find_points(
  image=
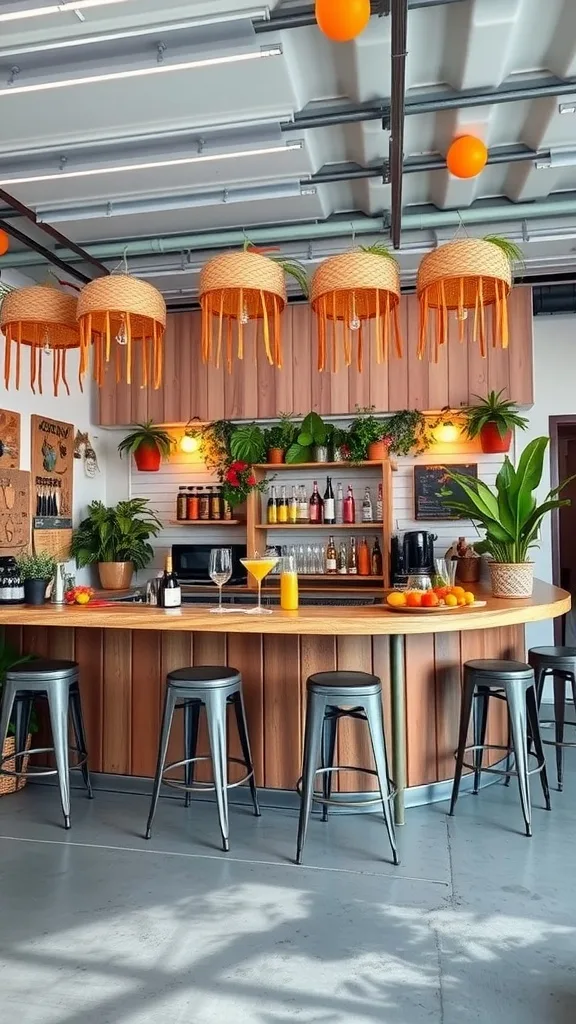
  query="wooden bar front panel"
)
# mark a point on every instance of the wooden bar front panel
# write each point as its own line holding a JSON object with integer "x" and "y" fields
{"x": 122, "y": 677}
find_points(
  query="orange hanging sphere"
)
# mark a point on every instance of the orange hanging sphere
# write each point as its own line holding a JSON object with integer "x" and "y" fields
{"x": 4, "y": 243}
{"x": 466, "y": 157}
{"x": 342, "y": 20}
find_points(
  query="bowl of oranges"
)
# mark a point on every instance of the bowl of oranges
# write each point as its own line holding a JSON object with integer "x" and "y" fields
{"x": 436, "y": 599}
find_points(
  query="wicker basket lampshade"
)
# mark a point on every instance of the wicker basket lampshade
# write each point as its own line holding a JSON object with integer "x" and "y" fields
{"x": 349, "y": 290}
{"x": 130, "y": 313}
{"x": 44, "y": 319}
{"x": 235, "y": 288}
{"x": 470, "y": 274}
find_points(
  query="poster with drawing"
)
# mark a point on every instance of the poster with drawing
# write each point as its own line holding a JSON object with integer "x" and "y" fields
{"x": 52, "y": 450}
{"x": 9, "y": 439}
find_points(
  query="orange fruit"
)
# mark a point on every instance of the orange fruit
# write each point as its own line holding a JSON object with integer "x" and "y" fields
{"x": 414, "y": 598}
{"x": 430, "y": 599}
{"x": 451, "y": 600}
{"x": 396, "y": 599}
{"x": 458, "y": 591}
{"x": 461, "y": 601}
{"x": 469, "y": 597}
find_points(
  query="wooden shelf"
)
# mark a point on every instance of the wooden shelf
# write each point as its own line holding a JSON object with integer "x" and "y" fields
{"x": 319, "y": 526}
{"x": 332, "y": 577}
{"x": 319, "y": 465}
{"x": 206, "y": 522}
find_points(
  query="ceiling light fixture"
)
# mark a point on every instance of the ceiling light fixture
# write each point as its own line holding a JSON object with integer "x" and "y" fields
{"x": 567, "y": 108}
{"x": 72, "y": 6}
{"x": 199, "y": 158}
{"x": 156, "y": 69}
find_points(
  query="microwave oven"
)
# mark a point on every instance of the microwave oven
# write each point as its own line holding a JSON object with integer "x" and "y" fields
{"x": 191, "y": 563}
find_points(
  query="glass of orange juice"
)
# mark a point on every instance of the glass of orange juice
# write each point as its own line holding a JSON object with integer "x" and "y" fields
{"x": 259, "y": 566}
{"x": 288, "y": 584}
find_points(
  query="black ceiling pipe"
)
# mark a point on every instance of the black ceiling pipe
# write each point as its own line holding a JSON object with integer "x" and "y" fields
{"x": 399, "y": 15}
{"x": 43, "y": 251}
{"x": 302, "y": 17}
{"x": 24, "y": 211}
{"x": 331, "y": 173}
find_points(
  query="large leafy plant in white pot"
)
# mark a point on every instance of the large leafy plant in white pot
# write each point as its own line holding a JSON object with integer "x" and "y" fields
{"x": 510, "y": 517}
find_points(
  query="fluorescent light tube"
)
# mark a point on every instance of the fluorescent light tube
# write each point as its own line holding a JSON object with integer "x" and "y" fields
{"x": 40, "y": 12}
{"x": 199, "y": 158}
{"x": 156, "y": 69}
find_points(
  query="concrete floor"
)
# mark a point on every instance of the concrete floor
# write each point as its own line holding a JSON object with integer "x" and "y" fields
{"x": 99, "y": 927}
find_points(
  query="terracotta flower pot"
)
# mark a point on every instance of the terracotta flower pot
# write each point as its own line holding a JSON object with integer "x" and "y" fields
{"x": 492, "y": 442}
{"x": 115, "y": 575}
{"x": 377, "y": 451}
{"x": 275, "y": 456}
{"x": 147, "y": 458}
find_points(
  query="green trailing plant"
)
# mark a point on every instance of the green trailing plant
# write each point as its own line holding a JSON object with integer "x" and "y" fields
{"x": 149, "y": 435}
{"x": 116, "y": 534}
{"x": 313, "y": 432}
{"x": 282, "y": 434}
{"x": 293, "y": 268}
{"x": 508, "y": 513}
{"x": 247, "y": 444}
{"x": 513, "y": 252}
{"x": 493, "y": 409}
{"x": 379, "y": 249}
{"x": 37, "y": 567}
{"x": 365, "y": 429}
{"x": 408, "y": 433}
{"x": 215, "y": 444}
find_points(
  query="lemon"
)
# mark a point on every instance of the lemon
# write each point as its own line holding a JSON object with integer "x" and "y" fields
{"x": 82, "y": 598}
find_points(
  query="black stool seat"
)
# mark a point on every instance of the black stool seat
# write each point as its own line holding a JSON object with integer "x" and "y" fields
{"x": 358, "y": 682}
{"x": 203, "y": 676}
{"x": 502, "y": 669}
{"x": 46, "y": 668}
{"x": 559, "y": 662}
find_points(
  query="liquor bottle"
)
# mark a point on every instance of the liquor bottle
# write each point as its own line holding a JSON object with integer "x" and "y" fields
{"x": 215, "y": 509}
{"x": 302, "y": 505}
{"x": 283, "y": 506}
{"x": 293, "y": 507}
{"x": 363, "y": 558}
{"x": 353, "y": 559}
{"x": 329, "y": 503}
{"x": 380, "y": 505}
{"x": 170, "y": 592}
{"x": 376, "y": 558}
{"x": 349, "y": 507}
{"x": 181, "y": 502}
{"x": 316, "y": 505}
{"x": 331, "y": 558}
{"x": 367, "y": 512}
{"x": 342, "y": 559}
{"x": 339, "y": 504}
{"x": 272, "y": 509}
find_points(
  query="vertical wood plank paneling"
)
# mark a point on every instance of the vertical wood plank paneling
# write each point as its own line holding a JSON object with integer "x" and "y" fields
{"x": 172, "y": 381}
{"x": 354, "y": 747}
{"x": 379, "y": 373}
{"x": 398, "y": 368}
{"x": 304, "y": 360}
{"x": 498, "y": 369}
{"x": 89, "y": 655}
{"x": 117, "y": 698}
{"x": 208, "y": 649}
{"x": 417, "y": 368}
{"x": 187, "y": 354}
{"x": 197, "y": 403}
{"x": 285, "y": 376}
{"x": 35, "y": 640}
{"x": 448, "y": 699}
{"x": 241, "y": 386}
{"x": 246, "y": 654}
{"x": 438, "y": 388}
{"x": 521, "y": 349}
{"x": 420, "y": 709}
{"x": 381, "y": 668}
{"x": 61, "y": 643}
{"x": 175, "y": 652}
{"x": 321, "y": 382}
{"x": 107, "y": 400}
{"x": 216, "y": 409}
{"x": 266, "y": 376}
{"x": 477, "y": 366}
{"x": 317, "y": 654}
{"x": 282, "y": 711}
{"x": 458, "y": 391}
{"x": 146, "y": 697}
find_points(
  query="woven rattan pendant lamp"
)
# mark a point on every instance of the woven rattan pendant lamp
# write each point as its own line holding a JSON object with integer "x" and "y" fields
{"x": 471, "y": 274}
{"x": 125, "y": 319}
{"x": 235, "y": 288}
{"x": 349, "y": 290}
{"x": 44, "y": 319}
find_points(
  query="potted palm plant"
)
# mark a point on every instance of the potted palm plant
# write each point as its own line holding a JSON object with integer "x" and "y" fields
{"x": 36, "y": 571}
{"x": 510, "y": 517}
{"x": 117, "y": 540}
{"x": 493, "y": 420}
{"x": 147, "y": 443}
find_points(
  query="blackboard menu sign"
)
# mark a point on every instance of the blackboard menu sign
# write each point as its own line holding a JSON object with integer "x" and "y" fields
{"x": 430, "y": 482}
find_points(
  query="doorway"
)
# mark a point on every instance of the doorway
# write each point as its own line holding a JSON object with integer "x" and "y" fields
{"x": 563, "y": 465}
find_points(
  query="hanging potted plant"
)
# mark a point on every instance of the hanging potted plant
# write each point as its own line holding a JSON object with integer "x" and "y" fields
{"x": 510, "y": 517}
{"x": 36, "y": 571}
{"x": 147, "y": 443}
{"x": 116, "y": 540}
{"x": 278, "y": 439}
{"x": 493, "y": 420}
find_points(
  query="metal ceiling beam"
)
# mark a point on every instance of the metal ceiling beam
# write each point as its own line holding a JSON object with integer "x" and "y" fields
{"x": 302, "y": 17}
{"x": 47, "y": 254}
{"x": 24, "y": 211}
{"x": 399, "y": 15}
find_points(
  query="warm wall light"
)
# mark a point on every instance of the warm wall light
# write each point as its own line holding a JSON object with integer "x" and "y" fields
{"x": 189, "y": 444}
{"x": 447, "y": 433}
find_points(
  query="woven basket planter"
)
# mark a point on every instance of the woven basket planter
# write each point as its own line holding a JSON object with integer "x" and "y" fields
{"x": 41, "y": 318}
{"x": 470, "y": 274}
{"x": 236, "y": 288}
{"x": 9, "y": 783}
{"x": 122, "y": 315}
{"x": 512, "y": 580}
{"x": 349, "y": 290}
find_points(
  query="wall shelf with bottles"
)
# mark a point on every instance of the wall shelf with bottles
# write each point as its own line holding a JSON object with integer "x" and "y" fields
{"x": 326, "y": 527}
{"x": 206, "y": 522}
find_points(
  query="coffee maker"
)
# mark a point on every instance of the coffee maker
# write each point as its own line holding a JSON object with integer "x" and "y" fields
{"x": 414, "y": 553}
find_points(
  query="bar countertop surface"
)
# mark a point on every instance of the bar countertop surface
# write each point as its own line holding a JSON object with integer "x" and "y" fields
{"x": 546, "y": 602}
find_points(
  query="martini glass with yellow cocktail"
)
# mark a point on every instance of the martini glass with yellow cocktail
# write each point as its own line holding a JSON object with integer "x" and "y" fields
{"x": 259, "y": 567}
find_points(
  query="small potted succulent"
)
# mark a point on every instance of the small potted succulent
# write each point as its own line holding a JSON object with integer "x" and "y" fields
{"x": 37, "y": 571}
{"x": 117, "y": 540}
{"x": 279, "y": 438}
{"x": 148, "y": 444}
{"x": 493, "y": 420}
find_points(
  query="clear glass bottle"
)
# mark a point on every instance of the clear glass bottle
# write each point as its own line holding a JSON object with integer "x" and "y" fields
{"x": 353, "y": 559}
{"x": 380, "y": 505}
{"x": 339, "y": 505}
{"x": 331, "y": 557}
{"x": 302, "y": 505}
{"x": 283, "y": 506}
{"x": 293, "y": 507}
{"x": 342, "y": 559}
{"x": 367, "y": 510}
{"x": 181, "y": 505}
{"x": 272, "y": 507}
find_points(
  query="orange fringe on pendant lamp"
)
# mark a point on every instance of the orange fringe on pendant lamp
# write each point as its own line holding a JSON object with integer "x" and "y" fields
{"x": 470, "y": 274}
{"x": 351, "y": 289}
{"x": 123, "y": 317}
{"x": 43, "y": 319}
{"x": 235, "y": 288}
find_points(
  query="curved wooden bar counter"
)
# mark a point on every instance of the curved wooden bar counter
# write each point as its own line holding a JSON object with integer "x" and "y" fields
{"x": 125, "y": 651}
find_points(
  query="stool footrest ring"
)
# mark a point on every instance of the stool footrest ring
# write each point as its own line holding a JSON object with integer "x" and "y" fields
{"x": 39, "y": 771}
{"x": 202, "y": 787}
{"x": 317, "y": 798}
{"x": 497, "y": 771}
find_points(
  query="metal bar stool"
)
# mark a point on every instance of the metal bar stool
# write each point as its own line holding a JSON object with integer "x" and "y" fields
{"x": 330, "y": 697}
{"x": 559, "y": 662}
{"x": 513, "y": 682}
{"x": 213, "y": 687}
{"x": 57, "y": 681}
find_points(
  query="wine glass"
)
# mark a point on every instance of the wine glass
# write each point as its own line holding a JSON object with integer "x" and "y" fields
{"x": 259, "y": 566}
{"x": 220, "y": 572}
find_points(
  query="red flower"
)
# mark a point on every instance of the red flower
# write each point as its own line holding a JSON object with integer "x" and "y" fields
{"x": 232, "y": 477}
{"x": 238, "y": 467}
{"x": 251, "y": 481}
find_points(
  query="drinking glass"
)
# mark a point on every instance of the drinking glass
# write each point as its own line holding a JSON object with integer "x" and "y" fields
{"x": 259, "y": 567}
{"x": 419, "y": 581}
{"x": 446, "y": 571}
{"x": 220, "y": 572}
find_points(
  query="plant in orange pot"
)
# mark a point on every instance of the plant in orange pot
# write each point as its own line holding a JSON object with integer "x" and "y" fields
{"x": 493, "y": 421}
{"x": 279, "y": 438}
{"x": 148, "y": 444}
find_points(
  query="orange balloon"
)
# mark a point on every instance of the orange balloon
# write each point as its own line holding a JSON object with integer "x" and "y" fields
{"x": 466, "y": 157}
{"x": 342, "y": 20}
{"x": 4, "y": 243}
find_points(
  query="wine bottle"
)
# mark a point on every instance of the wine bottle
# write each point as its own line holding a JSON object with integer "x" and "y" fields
{"x": 342, "y": 559}
{"x": 329, "y": 503}
{"x": 353, "y": 559}
{"x": 302, "y": 505}
{"x": 272, "y": 509}
{"x": 170, "y": 595}
{"x": 293, "y": 507}
{"x": 283, "y": 506}
{"x": 349, "y": 506}
{"x": 376, "y": 558}
{"x": 380, "y": 505}
{"x": 367, "y": 511}
{"x": 339, "y": 504}
{"x": 331, "y": 558}
{"x": 315, "y": 506}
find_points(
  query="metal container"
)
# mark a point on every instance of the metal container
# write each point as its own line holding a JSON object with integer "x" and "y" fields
{"x": 58, "y": 584}
{"x": 320, "y": 453}
{"x": 153, "y": 590}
